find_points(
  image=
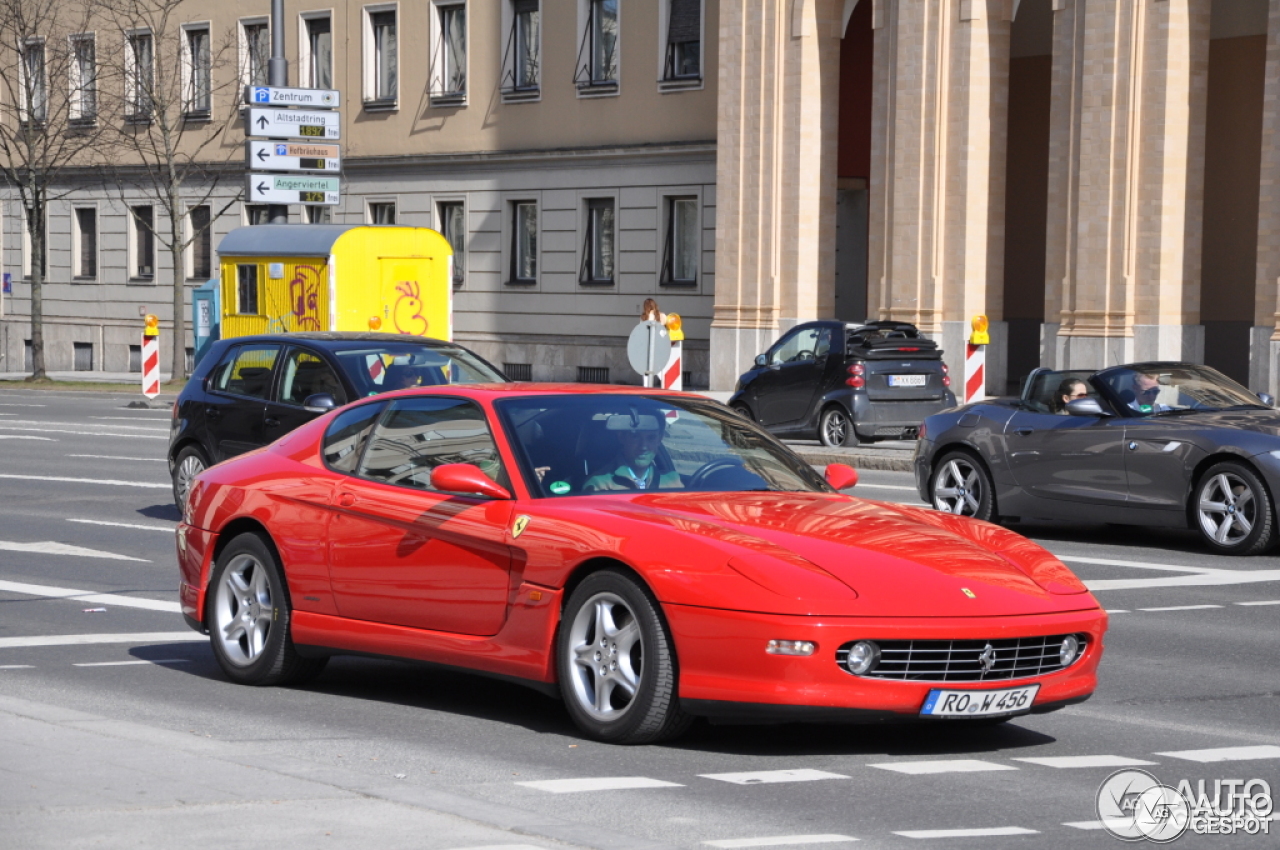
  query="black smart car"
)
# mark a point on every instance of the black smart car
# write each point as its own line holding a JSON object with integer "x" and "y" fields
{"x": 846, "y": 382}
{"x": 249, "y": 391}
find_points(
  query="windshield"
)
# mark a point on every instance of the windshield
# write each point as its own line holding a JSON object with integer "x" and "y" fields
{"x": 384, "y": 367}
{"x": 593, "y": 444}
{"x": 1169, "y": 389}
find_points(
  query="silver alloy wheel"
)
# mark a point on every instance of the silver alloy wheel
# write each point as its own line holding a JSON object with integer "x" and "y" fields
{"x": 835, "y": 428}
{"x": 1227, "y": 509}
{"x": 244, "y": 610}
{"x": 957, "y": 488}
{"x": 191, "y": 466}
{"x": 606, "y": 656}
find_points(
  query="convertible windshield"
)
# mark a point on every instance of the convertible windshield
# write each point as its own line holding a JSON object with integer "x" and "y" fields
{"x": 588, "y": 444}
{"x": 399, "y": 365}
{"x": 1175, "y": 389}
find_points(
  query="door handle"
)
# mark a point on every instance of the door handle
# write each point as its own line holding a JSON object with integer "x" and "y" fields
{"x": 1023, "y": 432}
{"x": 272, "y": 422}
{"x": 212, "y": 412}
{"x": 346, "y": 500}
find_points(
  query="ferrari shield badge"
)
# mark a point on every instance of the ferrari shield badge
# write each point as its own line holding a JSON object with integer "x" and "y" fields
{"x": 521, "y": 523}
{"x": 966, "y": 591}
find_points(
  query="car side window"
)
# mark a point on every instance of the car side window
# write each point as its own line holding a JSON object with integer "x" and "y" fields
{"x": 415, "y": 435}
{"x": 345, "y": 439}
{"x": 306, "y": 374}
{"x": 796, "y": 347}
{"x": 249, "y": 374}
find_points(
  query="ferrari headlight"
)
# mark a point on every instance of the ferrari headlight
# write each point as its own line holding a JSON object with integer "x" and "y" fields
{"x": 1069, "y": 651}
{"x": 862, "y": 656}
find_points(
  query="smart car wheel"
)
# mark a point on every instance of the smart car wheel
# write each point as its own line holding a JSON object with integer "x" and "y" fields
{"x": 189, "y": 463}
{"x": 961, "y": 485}
{"x": 744, "y": 411}
{"x": 836, "y": 428}
{"x": 616, "y": 665}
{"x": 1233, "y": 510}
{"x": 249, "y": 618}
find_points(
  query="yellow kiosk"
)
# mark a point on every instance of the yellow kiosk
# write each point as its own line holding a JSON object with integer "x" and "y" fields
{"x": 278, "y": 278}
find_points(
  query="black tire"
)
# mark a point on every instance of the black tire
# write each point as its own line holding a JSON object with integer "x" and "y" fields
{"x": 1232, "y": 510}
{"x": 960, "y": 484}
{"x": 249, "y": 615}
{"x": 611, "y": 608}
{"x": 835, "y": 428}
{"x": 744, "y": 411}
{"x": 189, "y": 463}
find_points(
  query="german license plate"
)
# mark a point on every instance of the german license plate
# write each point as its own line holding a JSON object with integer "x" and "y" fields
{"x": 908, "y": 380}
{"x": 941, "y": 703}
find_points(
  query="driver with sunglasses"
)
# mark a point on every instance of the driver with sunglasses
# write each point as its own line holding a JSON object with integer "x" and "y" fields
{"x": 1146, "y": 388}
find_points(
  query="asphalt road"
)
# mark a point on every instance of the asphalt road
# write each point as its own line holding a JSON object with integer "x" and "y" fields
{"x": 117, "y": 728}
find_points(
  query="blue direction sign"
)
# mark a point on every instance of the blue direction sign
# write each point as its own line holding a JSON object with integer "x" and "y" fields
{"x": 280, "y": 96}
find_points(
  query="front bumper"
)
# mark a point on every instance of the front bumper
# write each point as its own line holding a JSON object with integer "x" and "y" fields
{"x": 724, "y": 669}
{"x": 195, "y": 558}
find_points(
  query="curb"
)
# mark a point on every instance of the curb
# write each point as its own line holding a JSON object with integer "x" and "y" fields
{"x": 889, "y": 460}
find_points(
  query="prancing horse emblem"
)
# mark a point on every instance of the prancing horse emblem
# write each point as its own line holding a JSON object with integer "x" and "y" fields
{"x": 987, "y": 660}
{"x": 521, "y": 522}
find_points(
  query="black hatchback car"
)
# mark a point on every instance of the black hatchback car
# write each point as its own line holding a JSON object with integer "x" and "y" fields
{"x": 845, "y": 383}
{"x": 249, "y": 391}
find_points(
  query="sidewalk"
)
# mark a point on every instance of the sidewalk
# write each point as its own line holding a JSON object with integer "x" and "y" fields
{"x": 72, "y": 779}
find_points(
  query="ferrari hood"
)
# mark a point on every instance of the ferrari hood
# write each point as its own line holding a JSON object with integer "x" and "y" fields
{"x": 900, "y": 561}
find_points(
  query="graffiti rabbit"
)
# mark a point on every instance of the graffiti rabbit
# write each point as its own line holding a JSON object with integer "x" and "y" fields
{"x": 407, "y": 313}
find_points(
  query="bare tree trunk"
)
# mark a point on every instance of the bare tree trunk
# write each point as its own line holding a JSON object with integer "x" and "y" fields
{"x": 178, "y": 251}
{"x": 36, "y": 236}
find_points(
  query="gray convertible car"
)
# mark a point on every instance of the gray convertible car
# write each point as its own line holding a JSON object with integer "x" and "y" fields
{"x": 1157, "y": 444}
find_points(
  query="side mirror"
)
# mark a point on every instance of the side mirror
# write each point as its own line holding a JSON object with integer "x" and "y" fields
{"x": 762, "y": 360}
{"x": 465, "y": 478}
{"x": 1267, "y": 399}
{"x": 841, "y": 477}
{"x": 1085, "y": 407}
{"x": 320, "y": 403}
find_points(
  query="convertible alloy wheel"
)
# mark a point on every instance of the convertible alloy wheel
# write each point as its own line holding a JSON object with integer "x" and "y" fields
{"x": 835, "y": 429}
{"x": 190, "y": 463}
{"x": 249, "y": 616}
{"x": 617, "y": 668}
{"x": 962, "y": 486}
{"x": 1233, "y": 510}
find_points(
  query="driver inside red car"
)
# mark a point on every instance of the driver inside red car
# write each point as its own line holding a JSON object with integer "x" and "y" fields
{"x": 633, "y": 466}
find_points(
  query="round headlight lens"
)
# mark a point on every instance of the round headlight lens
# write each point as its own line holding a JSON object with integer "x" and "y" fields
{"x": 863, "y": 655}
{"x": 1070, "y": 650}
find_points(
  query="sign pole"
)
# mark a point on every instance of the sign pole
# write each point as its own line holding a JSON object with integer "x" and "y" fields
{"x": 277, "y": 75}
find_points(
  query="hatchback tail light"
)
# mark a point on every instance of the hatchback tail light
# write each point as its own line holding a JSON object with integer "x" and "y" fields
{"x": 175, "y": 410}
{"x": 920, "y": 432}
{"x": 856, "y": 377}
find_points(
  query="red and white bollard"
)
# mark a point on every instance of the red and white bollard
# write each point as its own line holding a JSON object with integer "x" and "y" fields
{"x": 151, "y": 357}
{"x": 673, "y": 375}
{"x": 975, "y": 372}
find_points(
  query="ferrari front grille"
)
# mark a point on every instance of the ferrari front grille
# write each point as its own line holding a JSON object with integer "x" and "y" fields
{"x": 967, "y": 660}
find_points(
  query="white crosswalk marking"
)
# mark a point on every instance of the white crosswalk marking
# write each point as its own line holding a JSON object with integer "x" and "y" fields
{"x": 138, "y": 638}
{"x": 767, "y": 776}
{"x": 917, "y": 768}
{"x": 16, "y": 667}
{"x": 1084, "y": 761}
{"x": 604, "y": 783}
{"x": 966, "y": 833}
{"x": 779, "y": 841}
{"x": 1261, "y": 602}
{"x": 89, "y": 596}
{"x": 1181, "y": 608}
{"x": 1085, "y": 824}
{"x": 48, "y": 547}
{"x": 1262, "y": 751}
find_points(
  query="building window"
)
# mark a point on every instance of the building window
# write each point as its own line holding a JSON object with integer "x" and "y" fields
{"x": 255, "y": 52}
{"x": 521, "y": 64}
{"x": 518, "y": 371}
{"x": 247, "y": 289}
{"x": 317, "y": 62}
{"x": 593, "y": 374}
{"x": 449, "y": 66}
{"x": 318, "y": 214}
{"x": 199, "y": 67}
{"x": 382, "y": 212}
{"x": 84, "y": 80}
{"x": 86, "y": 242}
{"x": 144, "y": 241}
{"x": 453, "y": 227}
{"x": 598, "y": 247}
{"x": 83, "y": 356}
{"x": 681, "y": 243}
{"x": 524, "y": 242}
{"x": 35, "y": 91}
{"x": 139, "y": 76}
{"x": 257, "y": 214}
{"x": 135, "y": 358}
{"x": 598, "y": 54}
{"x": 381, "y": 58}
{"x": 683, "y": 58}
{"x": 201, "y": 243}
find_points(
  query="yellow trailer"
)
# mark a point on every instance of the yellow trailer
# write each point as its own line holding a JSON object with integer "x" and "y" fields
{"x": 278, "y": 278}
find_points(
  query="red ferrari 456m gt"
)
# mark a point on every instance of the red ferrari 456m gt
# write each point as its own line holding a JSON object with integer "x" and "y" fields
{"x": 649, "y": 556}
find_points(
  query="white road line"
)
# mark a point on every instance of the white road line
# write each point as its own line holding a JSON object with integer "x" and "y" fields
{"x": 1181, "y": 608}
{"x": 1085, "y": 824}
{"x": 604, "y": 783}
{"x": 110, "y": 481}
{"x": 169, "y": 529}
{"x": 761, "y": 777}
{"x": 48, "y": 547}
{"x": 11, "y": 404}
{"x": 917, "y": 768}
{"x": 118, "y": 457}
{"x": 1262, "y": 751}
{"x": 46, "y": 429}
{"x": 1264, "y": 602}
{"x": 1141, "y": 565}
{"x": 1084, "y": 761}
{"x": 1118, "y": 611}
{"x": 131, "y": 663}
{"x": 1218, "y": 577}
{"x": 87, "y": 596}
{"x": 863, "y": 485}
{"x": 137, "y": 638}
{"x": 779, "y": 841}
{"x": 966, "y": 833}
{"x": 133, "y": 418}
{"x": 17, "y": 667}
{"x": 26, "y": 437}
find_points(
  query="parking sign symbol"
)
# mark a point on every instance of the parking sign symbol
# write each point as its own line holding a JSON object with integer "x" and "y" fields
{"x": 282, "y": 150}
{"x": 261, "y": 95}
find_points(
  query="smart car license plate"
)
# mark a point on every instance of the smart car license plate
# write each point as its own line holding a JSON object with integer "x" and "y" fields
{"x": 942, "y": 703}
{"x": 908, "y": 380}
